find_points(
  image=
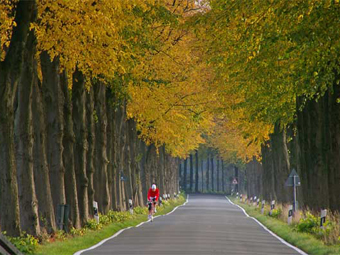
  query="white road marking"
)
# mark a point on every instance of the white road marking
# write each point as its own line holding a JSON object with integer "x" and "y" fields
{"x": 272, "y": 233}
{"x": 122, "y": 230}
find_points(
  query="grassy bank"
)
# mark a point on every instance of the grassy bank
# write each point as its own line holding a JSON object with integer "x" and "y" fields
{"x": 69, "y": 244}
{"x": 306, "y": 242}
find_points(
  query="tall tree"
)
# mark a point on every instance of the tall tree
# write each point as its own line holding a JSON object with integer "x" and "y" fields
{"x": 196, "y": 176}
{"x": 207, "y": 173}
{"x": 185, "y": 174}
{"x": 54, "y": 103}
{"x": 191, "y": 173}
{"x": 69, "y": 155}
{"x": 24, "y": 142}
{"x": 212, "y": 173}
{"x": 218, "y": 174}
{"x": 10, "y": 71}
{"x": 81, "y": 145}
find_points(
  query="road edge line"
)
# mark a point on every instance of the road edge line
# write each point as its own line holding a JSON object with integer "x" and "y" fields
{"x": 122, "y": 230}
{"x": 269, "y": 231}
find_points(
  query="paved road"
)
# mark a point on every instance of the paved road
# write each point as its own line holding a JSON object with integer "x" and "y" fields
{"x": 207, "y": 224}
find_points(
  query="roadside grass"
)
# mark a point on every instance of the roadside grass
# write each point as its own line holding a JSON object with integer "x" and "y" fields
{"x": 69, "y": 245}
{"x": 306, "y": 242}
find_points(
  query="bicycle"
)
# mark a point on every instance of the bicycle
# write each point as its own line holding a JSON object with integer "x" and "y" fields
{"x": 151, "y": 207}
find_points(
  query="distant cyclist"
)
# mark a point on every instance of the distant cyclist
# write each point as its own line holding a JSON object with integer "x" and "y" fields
{"x": 153, "y": 196}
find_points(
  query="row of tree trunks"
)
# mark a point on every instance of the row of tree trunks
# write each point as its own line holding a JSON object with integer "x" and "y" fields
{"x": 71, "y": 146}
{"x": 314, "y": 147}
{"x": 207, "y": 179}
{"x": 65, "y": 144}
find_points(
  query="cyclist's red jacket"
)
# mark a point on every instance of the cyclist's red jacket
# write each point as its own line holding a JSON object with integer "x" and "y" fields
{"x": 154, "y": 194}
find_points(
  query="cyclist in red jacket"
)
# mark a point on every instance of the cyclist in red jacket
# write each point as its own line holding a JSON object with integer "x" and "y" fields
{"x": 153, "y": 196}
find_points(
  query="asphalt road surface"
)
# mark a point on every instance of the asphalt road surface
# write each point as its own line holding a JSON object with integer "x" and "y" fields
{"x": 207, "y": 224}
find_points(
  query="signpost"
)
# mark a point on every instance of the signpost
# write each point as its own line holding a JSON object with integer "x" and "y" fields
{"x": 293, "y": 181}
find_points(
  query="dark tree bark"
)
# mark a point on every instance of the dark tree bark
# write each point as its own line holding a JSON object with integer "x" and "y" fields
{"x": 10, "y": 71}
{"x": 191, "y": 173}
{"x": 207, "y": 174}
{"x": 41, "y": 171}
{"x": 237, "y": 178}
{"x": 28, "y": 202}
{"x": 223, "y": 176}
{"x": 102, "y": 194}
{"x": 81, "y": 146}
{"x": 69, "y": 155}
{"x": 54, "y": 103}
{"x": 218, "y": 174}
{"x": 185, "y": 174}
{"x": 91, "y": 145}
{"x": 109, "y": 148}
{"x": 202, "y": 178}
{"x": 196, "y": 176}
{"x": 212, "y": 174}
{"x": 180, "y": 173}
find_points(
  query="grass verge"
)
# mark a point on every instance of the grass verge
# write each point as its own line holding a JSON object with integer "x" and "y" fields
{"x": 73, "y": 244}
{"x": 303, "y": 241}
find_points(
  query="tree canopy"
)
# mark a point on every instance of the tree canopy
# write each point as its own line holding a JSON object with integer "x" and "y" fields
{"x": 194, "y": 72}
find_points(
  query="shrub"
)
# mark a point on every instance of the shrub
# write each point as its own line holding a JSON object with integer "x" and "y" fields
{"x": 276, "y": 213}
{"x": 308, "y": 224}
{"x": 26, "y": 243}
{"x": 78, "y": 232}
{"x": 93, "y": 225}
{"x": 140, "y": 210}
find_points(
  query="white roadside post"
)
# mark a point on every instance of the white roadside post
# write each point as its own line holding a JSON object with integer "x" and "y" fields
{"x": 95, "y": 211}
{"x": 262, "y": 206}
{"x": 169, "y": 196}
{"x": 254, "y": 201}
{"x": 250, "y": 201}
{"x": 258, "y": 203}
{"x": 130, "y": 206}
{"x": 241, "y": 198}
{"x": 290, "y": 214}
{"x": 272, "y": 207}
{"x": 237, "y": 195}
{"x": 323, "y": 218}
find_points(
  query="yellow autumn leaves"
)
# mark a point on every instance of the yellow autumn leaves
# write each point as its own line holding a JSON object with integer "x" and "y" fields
{"x": 175, "y": 92}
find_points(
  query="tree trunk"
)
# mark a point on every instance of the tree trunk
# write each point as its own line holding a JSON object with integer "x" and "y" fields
{"x": 334, "y": 141}
{"x": 185, "y": 174}
{"x": 91, "y": 145}
{"x": 218, "y": 174}
{"x": 191, "y": 173}
{"x": 29, "y": 218}
{"x": 212, "y": 174}
{"x": 196, "y": 176}
{"x": 10, "y": 71}
{"x": 68, "y": 155}
{"x": 202, "y": 178}
{"x": 81, "y": 146}
{"x": 54, "y": 102}
{"x": 41, "y": 171}
{"x": 109, "y": 147}
{"x": 102, "y": 194}
{"x": 223, "y": 177}
{"x": 207, "y": 174}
